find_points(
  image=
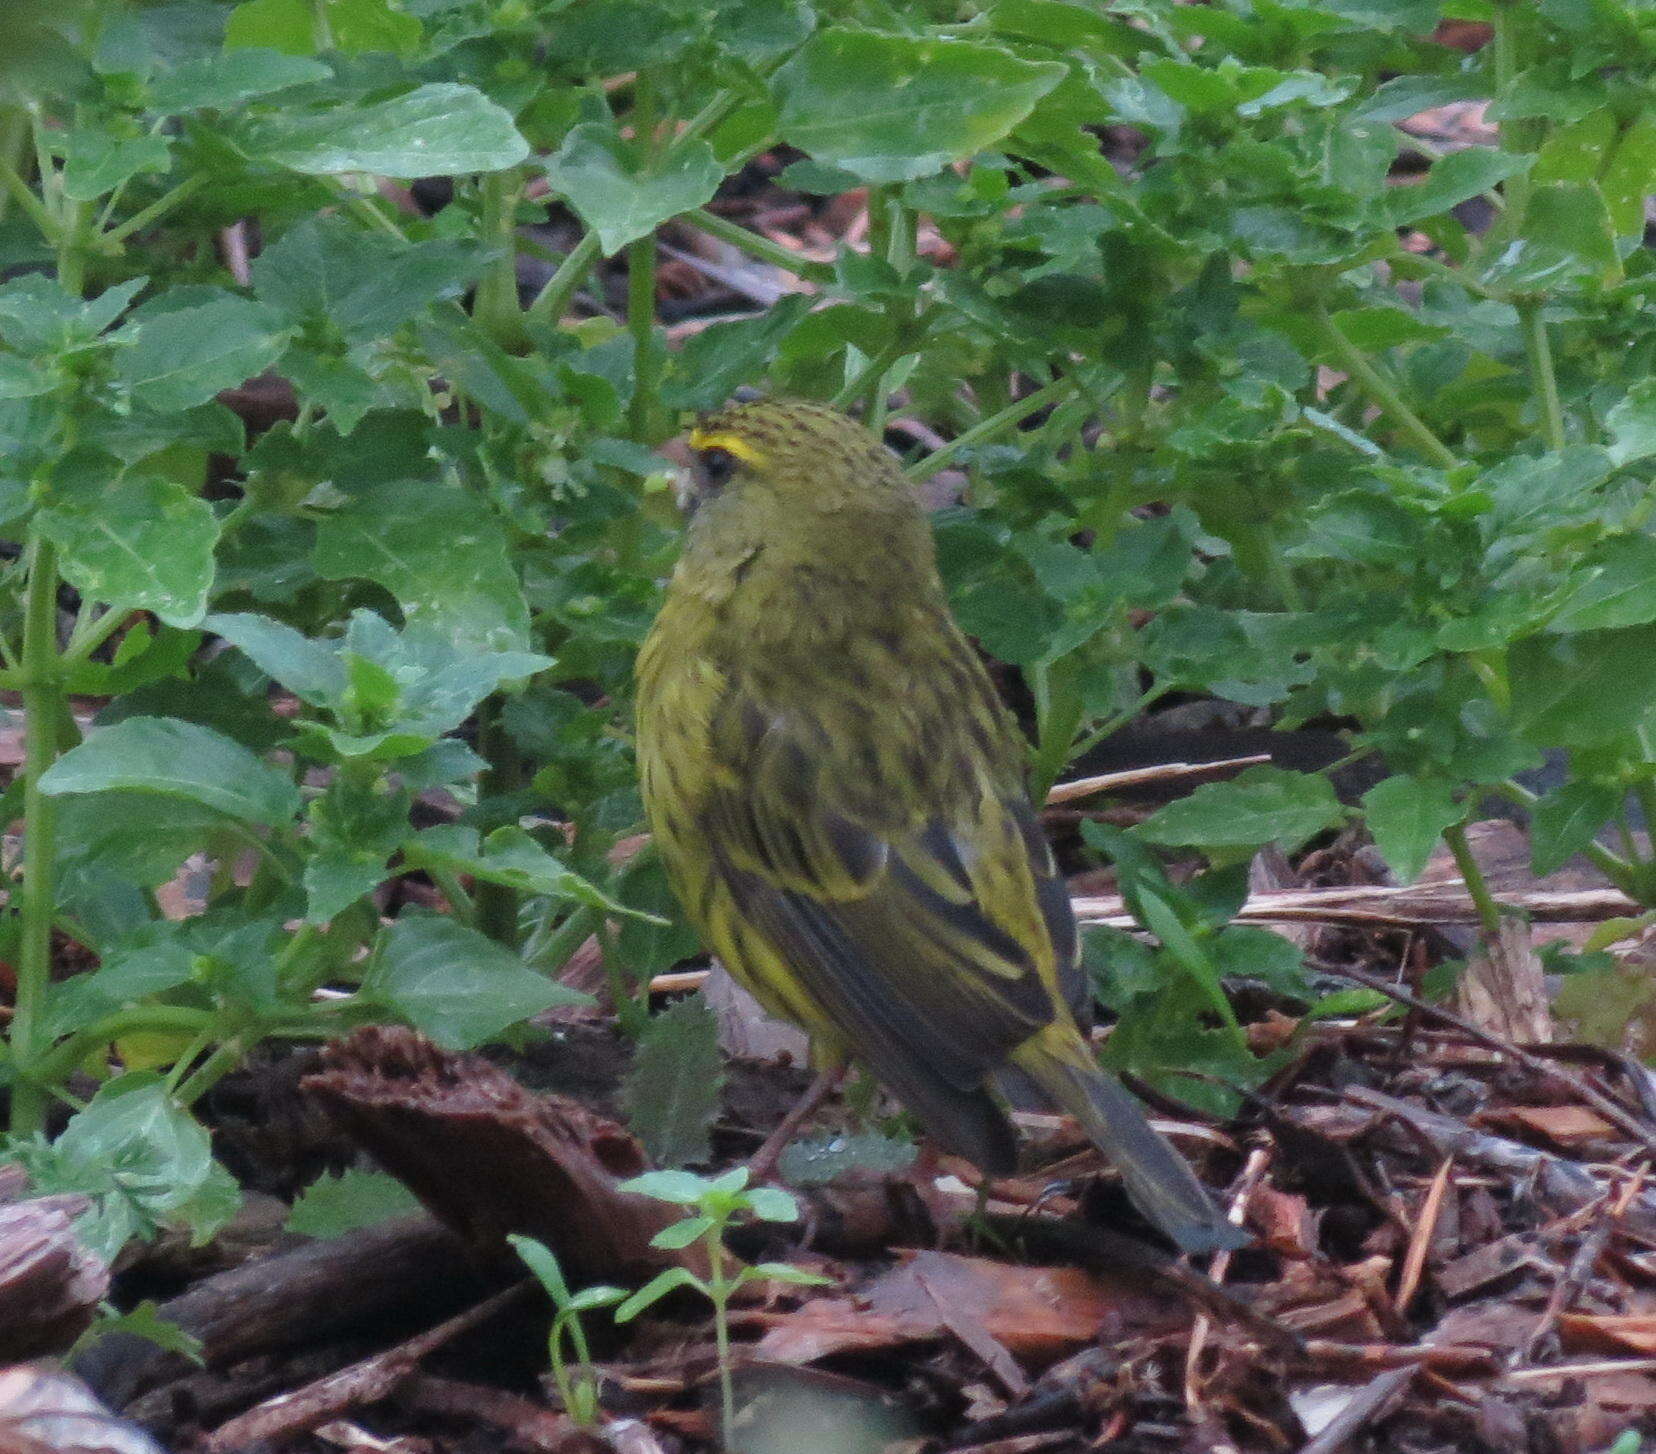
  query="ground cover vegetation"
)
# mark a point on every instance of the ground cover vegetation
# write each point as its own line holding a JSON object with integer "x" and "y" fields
{"x": 1290, "y": 358}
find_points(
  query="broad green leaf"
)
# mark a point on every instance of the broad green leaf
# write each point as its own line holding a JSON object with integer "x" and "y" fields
{"x": 453, "y": 984}
{"x": 597, "y": 173}
{"x": 682, "y": 1234}
{"x": 1616, "y": 586}
{"x": 1568, "y": 819}
{"x": 223, "y": 81}
{"x": 439, "y": 550}
{"x": 510, "y": 856}
{"x": 439, "y": 129}
{"x": 173, "y": 759}
{"x": 185, "y": 357}
{"x": 97, "y": 162}
{"x": 682, "y": 1188}
{"x": 311, "y": 670}
{"x": 1407, "y": 817}
{"x": 142, "y": 1160}
{"x": 672, "y": 1088}
{"x": 1261, "y": 805}
{"x": 1584, "y": 689}
{"x": 893, "y": 108}
{"x": 287, "y": 26}
{"x": 1452, "y": 180}
{"x": 141, "y": 544}
{"x": 1632, "y": 423}
{"x": 326, "y": 271}
{"x": 819, "y": 1160}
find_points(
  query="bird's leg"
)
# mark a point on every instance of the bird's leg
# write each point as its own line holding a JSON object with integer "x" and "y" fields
{"x": 762, "y": 1164}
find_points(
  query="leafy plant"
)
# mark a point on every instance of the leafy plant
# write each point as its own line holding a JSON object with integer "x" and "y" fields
{"x": 715, "y": 1203}
{"x": 577, "y": 1385}
{"x": 1274, "y": 404}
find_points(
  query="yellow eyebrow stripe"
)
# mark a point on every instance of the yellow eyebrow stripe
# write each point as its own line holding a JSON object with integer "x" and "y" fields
{"x": 729, "y": 443}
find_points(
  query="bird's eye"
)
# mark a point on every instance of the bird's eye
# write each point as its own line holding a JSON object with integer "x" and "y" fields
{"x": 718, "y": 465}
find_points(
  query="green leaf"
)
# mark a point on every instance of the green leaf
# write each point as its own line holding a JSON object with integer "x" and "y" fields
{"x": 787, "y": 1273}
{"x": 1566, "y": 821}
{"x": 597, "y": 173}
{"x": 1407, "y": 817}
{"x": 1616, "y": 586}
{"x": 672, "y": 1088}
{"x": 543, "y": 1262}
{"x": 455, "y": 985}
{"x": 334, "y": 1205}
{"x": 287, "y": 26}
{"x": 143, "y": 1160}
{"x": 1632, "y": 423}
{"x": 510, "y": 856}
{"x": 819, "y": 1160}
{"x": 1585, "y": 689}
{"x": 96, "y": 162}
{"x": 772, "y": 1204}
{"x": 1261, "y": 805}
{"x": 311, "y": 670}
{"x": 439, "y": 550}
{"x": 173, "y": 759}
{"x": 140, "y": 544}
{"x": 439, "y": 129}
{"x": 329, "y": 272}
{"x": 682, "y": 1188}
{"x": 182, "y": 358}
{"x": 224, "y": 81}
{"x": 892, "y": 108}
{"x": 655, "y": 1289}
{"x": 682, "y": 1234}
{"x": 1452, "y": 180}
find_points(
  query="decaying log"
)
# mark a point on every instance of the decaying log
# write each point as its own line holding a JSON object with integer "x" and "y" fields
{"x": 487, "y": 1156}
{"x": 304, "y": 1297}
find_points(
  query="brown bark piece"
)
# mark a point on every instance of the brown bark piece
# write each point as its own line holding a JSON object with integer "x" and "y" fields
{"x": 1503, "y": 989}
{"x": 50, "y": 1285}
{"x": 487, "y": 1156}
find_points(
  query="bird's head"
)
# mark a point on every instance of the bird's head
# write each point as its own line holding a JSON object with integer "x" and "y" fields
{"x": 794, "y": 454}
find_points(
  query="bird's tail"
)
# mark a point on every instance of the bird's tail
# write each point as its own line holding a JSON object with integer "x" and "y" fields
{"x": 1158, "y": 1180}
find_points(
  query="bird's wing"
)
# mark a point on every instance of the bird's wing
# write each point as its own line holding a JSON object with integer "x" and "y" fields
{"x": 922, "y": 915}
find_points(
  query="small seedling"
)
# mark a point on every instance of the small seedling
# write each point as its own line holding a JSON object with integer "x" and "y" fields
{"x": 566, "y": 1343}
{"x": 715, "y": 1203}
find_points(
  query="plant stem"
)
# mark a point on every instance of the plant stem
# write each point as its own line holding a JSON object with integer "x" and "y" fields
{"x": 1538, "y": 349}
{"x": 755, "y": 244}
{"x": 163, "y": 1019}
{"x": 1622, "y": 872}
{"x": 565, "y": 282}
{"x": 549, "y": 949}
{"x": 496, "y": 305}
{"x": 17, "y": 188}
{"x": 208, "y": 1074}
{"x": 641, "y": 299}
{"x": 156, "y": 209}
{"x": 1489, "y": 912}
{"x": 719, "y": 1290}
{"x": 1008, "y": 418}
{"x": 1379, "y": 389}
{"x": 42, "y": 699}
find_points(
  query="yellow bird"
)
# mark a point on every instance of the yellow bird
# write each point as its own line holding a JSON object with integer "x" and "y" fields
{"x": 838, "y": 795}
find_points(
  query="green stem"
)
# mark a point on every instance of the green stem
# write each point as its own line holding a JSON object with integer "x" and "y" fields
{"x": 156, "y": 209}
{"x": 719, "y": 1290}
{"x": 460, "y": 902}
{"x": 1008, "y": 418}
{"x": 757, "y": 245}
{"x": 1379, "y": 389}
{"x": 641, "y": 300}
{"x": 208, "y": 1074}
{"x": 1538, "y": 349}
{"x": 42, "y": 700}
{"x": 17, "y": 188}
{"x": 1516, "y": 136}
{"x": 549, "y": 950}
{"x": 63, "y": 1057}
{"x": 1489, "y": 912}
{"x": 565, "y": 282}
{"x": 496, "y": 305}
{"x": 86, "y": 639}
{"x": 1622, "y": 872}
